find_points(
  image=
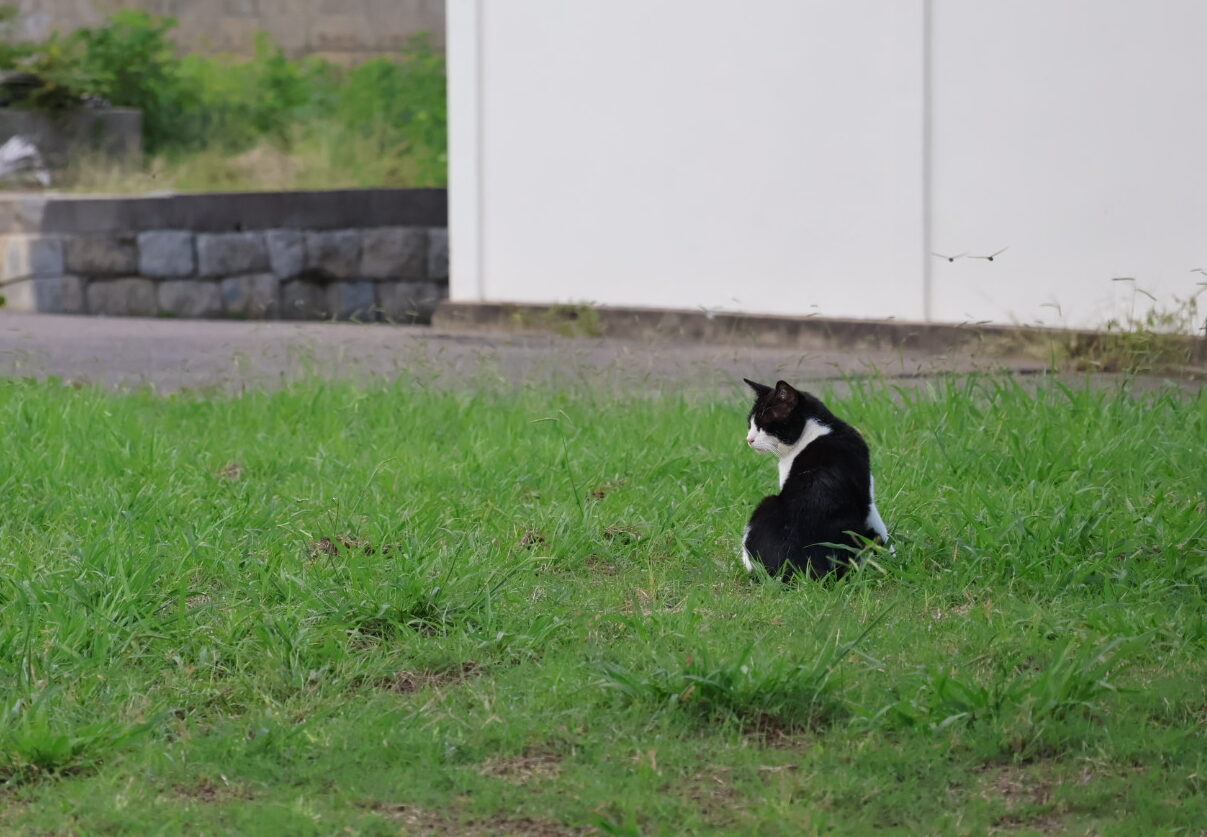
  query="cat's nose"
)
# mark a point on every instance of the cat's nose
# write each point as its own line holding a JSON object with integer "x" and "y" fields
{"x": 750, "y": 440}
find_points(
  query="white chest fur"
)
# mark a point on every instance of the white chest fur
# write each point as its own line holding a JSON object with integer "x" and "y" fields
{"x": 813, "y": 431}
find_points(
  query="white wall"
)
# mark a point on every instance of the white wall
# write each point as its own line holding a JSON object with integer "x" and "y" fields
{"x": 1075, "y": 132}
{"x": 804, "y": 156}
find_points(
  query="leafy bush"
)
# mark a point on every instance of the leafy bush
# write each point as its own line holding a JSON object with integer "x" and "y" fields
{"x": 10, "y": 51}
{"x": 131, "y": 63}
{"x": 387, "y": 115}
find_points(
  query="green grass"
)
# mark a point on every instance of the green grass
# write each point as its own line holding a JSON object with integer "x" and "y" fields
{"x": 349, "y": 610}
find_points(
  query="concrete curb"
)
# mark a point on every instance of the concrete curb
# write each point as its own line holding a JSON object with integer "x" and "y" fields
{"x": 217, "y": 212}
{"x": 806, "y": 333}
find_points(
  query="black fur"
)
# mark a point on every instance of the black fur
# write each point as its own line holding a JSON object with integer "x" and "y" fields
{"x": 826, "y": 495}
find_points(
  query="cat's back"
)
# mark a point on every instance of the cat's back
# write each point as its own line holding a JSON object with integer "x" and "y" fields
{"x": 835, "y": 466}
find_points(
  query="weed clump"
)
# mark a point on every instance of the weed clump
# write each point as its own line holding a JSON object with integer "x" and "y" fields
{"x": 754, "y": 690}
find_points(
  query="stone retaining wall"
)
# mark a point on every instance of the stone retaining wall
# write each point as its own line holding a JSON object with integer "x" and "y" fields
{"x": 359, "y": 254}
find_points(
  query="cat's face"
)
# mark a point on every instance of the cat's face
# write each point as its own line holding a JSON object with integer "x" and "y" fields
{"x": 777, "y": 418}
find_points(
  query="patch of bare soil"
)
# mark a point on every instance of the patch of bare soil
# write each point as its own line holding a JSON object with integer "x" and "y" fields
{"x": 349, "y": 543}
{"x": 421, "y": 821}
{"x": 531, "y": 539}
{"x": 713, "y": 794}
{"x": 778, "y": 734}
{"x": 409, "y": 682}
{"x": 530, "y": 767}
{"x": 11, "y": 807}
{"x": 1018, "y": 789}
{"x": 210, "y": 790}
{"x": 231, "y": 471}
{"x": 647, "y": 603}
{"x": 603, "y": 490}
{"x": 622, "y": 534}
{"x": 601, "y": 565}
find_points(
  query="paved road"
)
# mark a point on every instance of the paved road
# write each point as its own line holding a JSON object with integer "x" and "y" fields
{"x": 170, "y": 355}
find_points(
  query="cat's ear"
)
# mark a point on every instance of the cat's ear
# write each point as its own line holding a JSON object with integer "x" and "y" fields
{"x": 759, "y": 389}
{"x": 784, "y": 401}
{"x": 786, "y": 393}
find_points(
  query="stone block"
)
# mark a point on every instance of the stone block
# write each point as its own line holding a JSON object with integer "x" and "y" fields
{"x": 166, "y": 253}
{"x": 303, "y": 300}
{"x": 393, "y": 253}
{"x": 286, "y": 252}
{"x": 437, "y": 253}
{"x": 409, "y": 302}
{"x": 189, "y": 298}
{"x": 257, "y": 296}
{"x": 46, "y": 295}
{"x": 128, "y": 297}
{"x": 28, "y": 256}
{"x": 101, "y": 255}
{"x": 231, "y": 254}
{"x": 352, "y": 301}
{"x": 333, "y": 254}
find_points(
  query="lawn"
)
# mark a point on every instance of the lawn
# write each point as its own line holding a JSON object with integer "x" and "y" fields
{"x": 381, "y": 610}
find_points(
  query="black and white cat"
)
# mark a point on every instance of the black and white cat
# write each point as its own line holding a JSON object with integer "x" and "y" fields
{"x": 826, "y": 486}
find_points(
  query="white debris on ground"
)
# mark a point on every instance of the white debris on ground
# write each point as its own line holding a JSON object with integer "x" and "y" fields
{"x": 20, "y": 157}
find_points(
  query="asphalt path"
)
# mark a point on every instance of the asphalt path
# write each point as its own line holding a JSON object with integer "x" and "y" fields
{"x": 169, "y": 355}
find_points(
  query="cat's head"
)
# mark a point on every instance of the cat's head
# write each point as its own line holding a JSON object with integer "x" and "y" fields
{"x": 778, "y": 416}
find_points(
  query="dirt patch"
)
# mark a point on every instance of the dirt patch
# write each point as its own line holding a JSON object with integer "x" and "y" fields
{"x": 603, "y": 490}
{"x": 11, "y": 808}
{"x": 1046, "y": 824}
{"x": 531, "y": 539}
{"x": 600, "y": 565}
{"x": 777, "y": 734}
{"x": 210, "y": 790}
{"x": 623, "y": 535}
{"x": 647, "y": 603}
{"x": 348, "y": 543}
{"x": 1017, "y": 789}
{"x": 714, "y": 796}
{"x": 420, "y": 821}
{"x": 530, "y": 767}
{"x": 231, "y": 472}
{"x": 409, "y": 682}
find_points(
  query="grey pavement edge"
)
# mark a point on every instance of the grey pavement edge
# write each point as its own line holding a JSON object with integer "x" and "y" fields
{"x": 169, "y": 355}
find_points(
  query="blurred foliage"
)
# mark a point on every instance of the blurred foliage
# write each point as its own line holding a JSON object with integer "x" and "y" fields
{"x": 219, "y": 105}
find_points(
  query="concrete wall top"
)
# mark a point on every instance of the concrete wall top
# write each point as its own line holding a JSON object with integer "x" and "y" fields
{"x": 223, "y": 212}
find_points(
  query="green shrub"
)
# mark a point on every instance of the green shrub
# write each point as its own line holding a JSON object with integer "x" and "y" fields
{"x": 130, "y": 62}
{"x": 406, "y": 98}
{"x": 386, "y": 117}
{"x": 268, "y": 97}
{"x": 10, "y": 51}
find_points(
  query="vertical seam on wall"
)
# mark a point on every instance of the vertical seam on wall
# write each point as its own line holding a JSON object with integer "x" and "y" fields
{"x": 479, "y": 146}
{"x": 927, "y": 162}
